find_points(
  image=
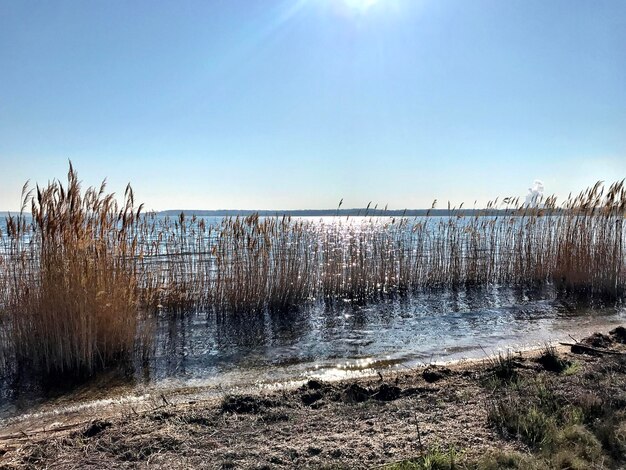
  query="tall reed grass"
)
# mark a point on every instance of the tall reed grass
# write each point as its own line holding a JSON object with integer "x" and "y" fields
{"x": 252, "y": 263}
{"x": 79, "y": 273}
{"x": 70, "y": 300}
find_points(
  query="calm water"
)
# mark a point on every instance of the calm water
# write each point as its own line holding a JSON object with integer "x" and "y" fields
{"x": 333, "y": 340}
{"x": 211, "y": 354}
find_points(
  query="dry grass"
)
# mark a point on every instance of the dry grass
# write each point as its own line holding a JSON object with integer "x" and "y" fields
{"x": 76, "y": 277}
{"x": 252, "y": 263}
{"x": 70, "y": 300}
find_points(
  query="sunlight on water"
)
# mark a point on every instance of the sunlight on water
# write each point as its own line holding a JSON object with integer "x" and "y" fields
{"x": 207, "y": 355}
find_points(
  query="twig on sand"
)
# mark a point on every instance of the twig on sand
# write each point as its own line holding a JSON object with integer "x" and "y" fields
{"x": 419, "y": 434}
{"x": 586, "y": 348}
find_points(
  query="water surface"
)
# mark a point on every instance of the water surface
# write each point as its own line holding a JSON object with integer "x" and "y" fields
{"x": 206, "y": 354}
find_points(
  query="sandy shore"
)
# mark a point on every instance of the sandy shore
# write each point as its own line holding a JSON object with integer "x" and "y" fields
{"x": 363, "y": 423}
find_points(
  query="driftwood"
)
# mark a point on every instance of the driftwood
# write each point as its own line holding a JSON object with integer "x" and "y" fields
{"x": 584, "y": 348}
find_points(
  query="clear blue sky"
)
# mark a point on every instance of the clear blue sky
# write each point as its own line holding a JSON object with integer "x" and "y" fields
{"x": 274, "y": 104}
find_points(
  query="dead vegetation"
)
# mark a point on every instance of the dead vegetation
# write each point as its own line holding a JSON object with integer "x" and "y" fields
{"x": 81, "y": 275}
{"x": 70, "y": 297}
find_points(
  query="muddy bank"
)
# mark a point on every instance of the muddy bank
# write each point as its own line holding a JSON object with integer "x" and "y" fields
{"x": 360, "y": 423}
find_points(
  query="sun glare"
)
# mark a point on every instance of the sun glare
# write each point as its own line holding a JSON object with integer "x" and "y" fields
{"x": 361, "y": 5}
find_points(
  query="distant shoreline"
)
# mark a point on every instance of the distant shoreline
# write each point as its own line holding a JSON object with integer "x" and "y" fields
{"x": 333, "y": 212}
{"x": 339, "y": 212}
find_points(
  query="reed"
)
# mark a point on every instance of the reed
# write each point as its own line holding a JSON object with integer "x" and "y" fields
{"x": 252, "y": 263}
{"x": 70, "y": 296}
{"x": 78, "y": 275}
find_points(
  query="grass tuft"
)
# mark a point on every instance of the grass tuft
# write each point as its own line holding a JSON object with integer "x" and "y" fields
{"x": 551, "y": 361}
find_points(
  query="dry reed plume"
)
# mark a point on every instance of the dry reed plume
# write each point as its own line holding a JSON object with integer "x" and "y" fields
{"x": 70, "y": 296}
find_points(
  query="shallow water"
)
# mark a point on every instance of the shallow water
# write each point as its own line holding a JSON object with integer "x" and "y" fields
{"x": 207, "y": 354}
{"x": 331, "y": 341}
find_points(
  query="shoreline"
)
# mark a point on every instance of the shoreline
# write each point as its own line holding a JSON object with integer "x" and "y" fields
{"x": 73, "y": 408}
{"x": 355, "y": 423}
{"x": 111, "y": 393}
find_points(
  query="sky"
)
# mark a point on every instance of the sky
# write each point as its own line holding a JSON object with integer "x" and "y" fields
{"x": 285, "y": 104}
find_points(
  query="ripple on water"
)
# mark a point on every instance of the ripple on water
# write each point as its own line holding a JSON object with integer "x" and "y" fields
{"x": 337, "y": 341}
